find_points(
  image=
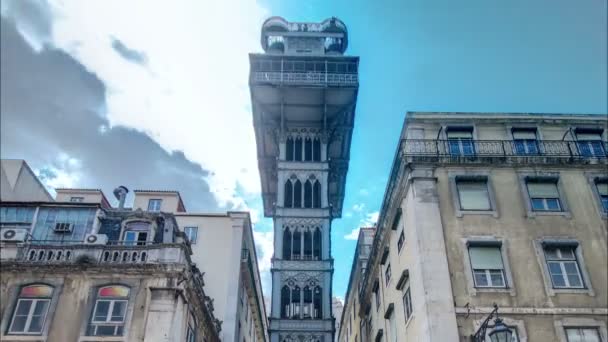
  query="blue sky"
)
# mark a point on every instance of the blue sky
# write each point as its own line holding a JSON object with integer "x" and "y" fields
{"x": 161, "y": 91}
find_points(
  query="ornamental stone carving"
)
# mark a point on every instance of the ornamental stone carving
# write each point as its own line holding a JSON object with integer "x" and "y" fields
{"x": 301, "y": 279}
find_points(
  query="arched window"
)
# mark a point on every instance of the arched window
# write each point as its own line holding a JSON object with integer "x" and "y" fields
{"x": 31, "y": 309}
{"x": 318, "y": 296}
{"x": 307, "y": 309}
{"x": 295, "y": 302}
{"x": 307, "y": 149}
{"x": 307, "y": 245}
{"x": 288, "y": 193}
{"x": 285, "y": 302}
{"x": 298, "y": 149}
{"x": 109, "y": 311}
{"x": 289, "y": 149}
{"x": 308, "y": 194}
{"x": 316, "y": 150}
{"x": 297, "y": 245}
{"x": 286, "y": 244}
{"x": 297, "y": 194}
{"x": 316, "y": 199}
{"x": 317, "y": 244}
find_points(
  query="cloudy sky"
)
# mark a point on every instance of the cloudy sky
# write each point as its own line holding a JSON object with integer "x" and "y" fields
{"x": 153, "y": 94}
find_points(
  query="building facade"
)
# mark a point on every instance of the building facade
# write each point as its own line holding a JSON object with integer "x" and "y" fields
{"x": 350, "y": 322}
{"x": 485, "y": 208}
{"x": 62, "y": 279}
{"x": 303, "y": 92}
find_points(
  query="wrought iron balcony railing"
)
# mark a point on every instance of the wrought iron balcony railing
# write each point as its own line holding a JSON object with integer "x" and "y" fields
{"x": 304, "y": 72}
{"x": 529, "y": 150}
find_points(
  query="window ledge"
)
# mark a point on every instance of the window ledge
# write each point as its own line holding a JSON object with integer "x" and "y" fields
{"x": 565, "y": 214}
{"x": 585, "y": 291}
{"x": 461, "y": 213}
{"x": 22, "y": 337}
{"x": 407, "y": 323}
{"x": 509, "y": 290}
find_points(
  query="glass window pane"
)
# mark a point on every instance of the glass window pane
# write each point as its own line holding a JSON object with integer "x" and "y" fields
{"x": 40, "y": 308}
{"x": 36, "y": 324}
{"x": 23, "y": 307}
{"x": 602, "y": 188}
{"x": 567, "y": 253}
{"x": 538, "y": 204}
{"x": 106, "y": 330}
{"x": 497, "y": 278}
{"x": 551, "y": 253}
{"x": 590, "y": 335}
{"x": 588, "y": 136}
{"x": 118, "y": 311}
{"x": 480, "y": 278}
{"x": 555, "y": 268}
{"x": 101, "y": 311}
{"x": 18, "y": 324}
{"x": 553, "y": 204}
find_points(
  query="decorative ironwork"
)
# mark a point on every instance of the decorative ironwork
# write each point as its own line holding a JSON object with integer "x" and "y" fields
{"x": 472, "y": 149}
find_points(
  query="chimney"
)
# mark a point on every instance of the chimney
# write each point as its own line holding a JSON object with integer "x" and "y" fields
{"x": 121, "y": 193}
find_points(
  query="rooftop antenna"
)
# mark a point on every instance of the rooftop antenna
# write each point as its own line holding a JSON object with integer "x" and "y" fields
{"x": 121, "y": 194}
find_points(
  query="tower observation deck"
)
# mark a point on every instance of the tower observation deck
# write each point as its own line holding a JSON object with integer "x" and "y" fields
{"x": 303, "y": 93}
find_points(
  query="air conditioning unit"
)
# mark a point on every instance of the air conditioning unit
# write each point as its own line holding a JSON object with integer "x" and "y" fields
{"x": 96, "y": 239}
{"x": 63, "y": 227}
{"x": 13, "y": 234}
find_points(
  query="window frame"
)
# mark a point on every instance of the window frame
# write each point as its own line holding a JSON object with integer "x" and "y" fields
{"x": 487, "y": 241}
{"x": 539, "y": 245}
{"x": 525, "y": 176}
{"x": 90, "y": 324}
{"x": 76, "y": 199}
{"x": 561, "y": 261}
{"x": 29, "y": 316}
{"x": 191, "y": 228}
{"x": 537, "y": 140}
{"x": 401, "y": 241}
{"x": 387, "y": 274}
{"x": 461, "y": 128}
{"x": 488, "y": 271}
{"x": 406, "y": 300}
{"x": 590, "y": 130}
{"x": 155, "y": 200}
{"x": 50, "y": 308}
{"x": 465, "y": 175}
{"x": 593, "y": 178}
{"x": 577, "y": 323}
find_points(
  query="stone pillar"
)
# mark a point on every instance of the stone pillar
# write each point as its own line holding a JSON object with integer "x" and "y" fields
{"x": 324, "y": 189}
{"x": 327, "y": 295}
{"x": 325, "y": 236}
{"x": 165, "y": 320}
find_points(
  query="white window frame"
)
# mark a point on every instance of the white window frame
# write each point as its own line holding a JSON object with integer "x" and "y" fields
{"x": 76, "y": 199}
{"x": 489, "y": 241}
{"x": 578, "y": 322}
{"x": 136, "y": 241}
{"x": 152, "y": 208}
{"x": 401, "y": 241}
{"x": 562, "y": 241}
{"x": 488, "y": 272}
{"x": 561, "y": 261}
{"x": 108, "y": 321}
{"x": 523, "y": 178}
{"x": 465, "y": 175}
{"x": 593, "y": 178}
{"x": 408, "y": 310}
{"x": 191, "y": 228}
{"x": 29, "y": 316}
{"x": 388, "y": 274}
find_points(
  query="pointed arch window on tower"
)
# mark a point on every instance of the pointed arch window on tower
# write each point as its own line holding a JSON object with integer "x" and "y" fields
{"x": 317, "y": 299}
{"x": 297, "y": 245}
{"x": 317, "y": 244}
{"x": 288, "y": 194}
{"x": 297, "y": 194}
{"x": 298, "y": 149}
{"x": 286, "y": 244}
{"x": 307, "y": 308}
{"x": 316, "y": 199}
{"x": 307, "y": 245}
{"x": 285, "y": 301}
{"x": 295, "y": 307}
{"x": 308, "y": 149}
{"x": 316, "y": 149}
{"x": 308, "y": 194}
{"x": 289, "y": 145}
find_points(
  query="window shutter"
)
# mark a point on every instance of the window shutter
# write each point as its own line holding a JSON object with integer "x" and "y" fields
{"x": 543, "y": 190}
{"x": 588, "y": 136}
{"x": 462, "y": 134}
{"x": 485, "y": 258}
{"x": 473, "y": 195}
{"x": 524, "y": 134}
{"x": 602, "y": 189}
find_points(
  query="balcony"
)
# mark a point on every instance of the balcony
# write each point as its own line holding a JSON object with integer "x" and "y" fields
{"x": 504, "y": 151}
{"x": 301, "y": 72}
{"x": 49, "y": 253}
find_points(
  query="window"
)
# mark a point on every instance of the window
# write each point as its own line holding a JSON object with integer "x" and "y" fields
{"x": 563, "y": 266}
{"x": 487, "y": 266}
{"x": 460, "y": 141}
{"x": 377, "y": 295}
{"x": 473, "y": 194}
{"x": 525, "y": 141}
{"x": 191, "y": 332}
{"x": 31, "y": 309}
{"x": 602, "y": 190}
{"x": 76, "y": 199}
{"x": 191, "y": 233}
{"x": 583, "y": 335}
{"x": 544, "y": 195}
{"x": 16, "y": 216}
{"x": 589, "y": 143}
{"x": 136, "y": 233}
{"x": 109, "y": 311}
{"x": 407, "y": 304}
{"x": 154, "y": 205}
{"x": 401, "y": 241}
{"x": 393, "y": 326}
{"x": 387, "y": 274}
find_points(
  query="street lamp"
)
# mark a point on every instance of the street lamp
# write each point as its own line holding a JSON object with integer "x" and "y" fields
{"x": 500, "y": 333}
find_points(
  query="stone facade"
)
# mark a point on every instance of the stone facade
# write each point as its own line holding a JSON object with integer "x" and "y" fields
{"x": 303, "y": 94}
{"x": 492, "y": 208}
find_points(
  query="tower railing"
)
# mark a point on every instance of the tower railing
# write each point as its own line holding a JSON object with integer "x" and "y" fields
{"x": 294, "y": 71}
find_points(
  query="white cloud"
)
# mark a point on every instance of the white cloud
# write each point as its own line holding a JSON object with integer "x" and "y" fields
{"x": 370, "y": 219}
{"x": 63, "y": 172}
{"x": 191, "y": 94}
{"x": 363, "y": 192}
{"x": 353, "y": 235}
{"x": 358, "y": 207}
